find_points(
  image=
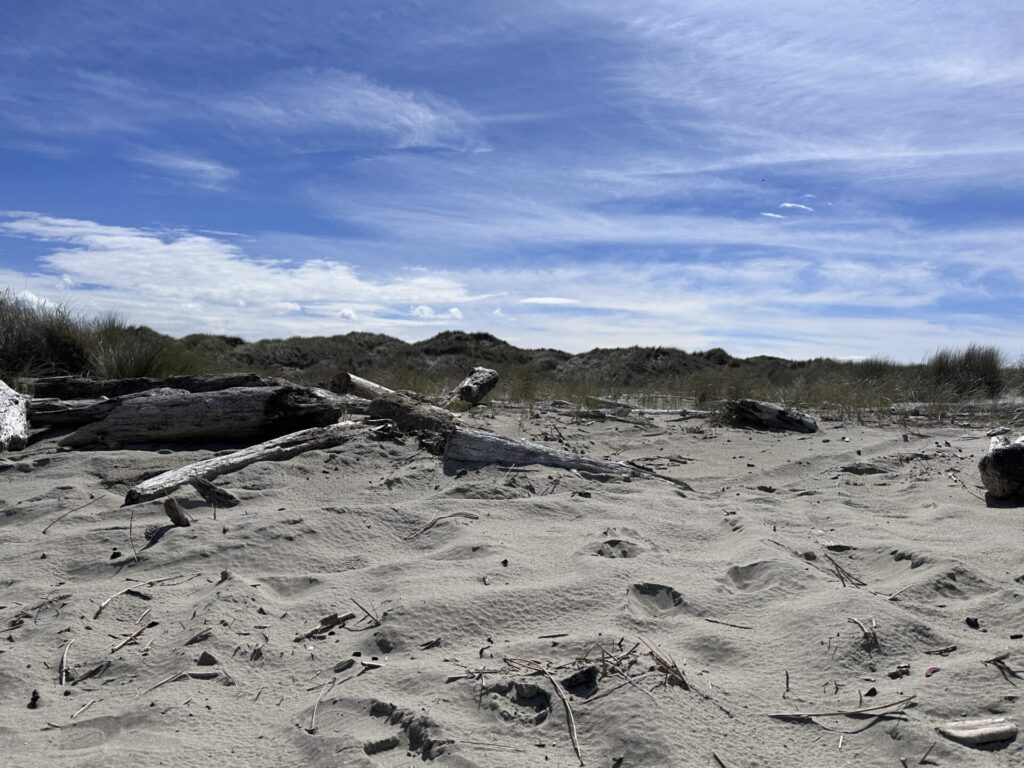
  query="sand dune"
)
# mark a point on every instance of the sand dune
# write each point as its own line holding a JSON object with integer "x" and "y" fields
{"x": 747, "y": 581}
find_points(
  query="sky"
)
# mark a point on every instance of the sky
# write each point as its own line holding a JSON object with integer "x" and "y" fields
{"x": 793, "y": 178}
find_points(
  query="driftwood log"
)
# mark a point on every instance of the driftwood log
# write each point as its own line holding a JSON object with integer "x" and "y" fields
{"x": 51, "y": 412}
{"x": 278, "y": 449}
{"x": 13, "y": 419}
{"x": 473, "y": 446}
{"x": 411, "y": 414}
{"x": 229, "y": 415}
{"x": 1002, "y": 468}
{"x": 79, "y": 388}
{"x": 768, "y": 416}
{"x": 349, "y": 384}
{"x": 473, "y": 388}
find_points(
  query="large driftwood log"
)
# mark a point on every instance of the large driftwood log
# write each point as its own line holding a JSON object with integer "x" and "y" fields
{"x": 78, "y": 388}
{"x": 1002, "y": 468}
{"x": 230, "y": 415}
{"x": 473, "y": 388}
{"x": 411, "y": 414}
{"x": 49, "y": 412}
{"x": 278, "y": 449}
{"x": 477, "y": 447}
{"x": 13, "y": 419}
{"x": 768, "y": 415}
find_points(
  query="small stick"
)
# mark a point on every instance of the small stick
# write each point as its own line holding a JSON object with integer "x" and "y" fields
{"x": 720, "y": 761}
{"x": 90, "y": 703}
{"x": 899, "y": 592}
{"x": 168, "y": 679}
{"x": 83, "y": 506}
{"x": 841, "y": 741}
{"x": 130, "y": 637}
{"x": 64, "y": 663}
{"x": 131, "y": 539}
{"x": 312, "y": 717}
{"x": 925, "y": 755}
{"x": 370, "y": 616}
{"x": 838, "y": 713}
{"x": 144, "y": 614}
{"x": 727, "y": 624}
{"x": 149, "y": 583}
{"x": 435, "y": 520}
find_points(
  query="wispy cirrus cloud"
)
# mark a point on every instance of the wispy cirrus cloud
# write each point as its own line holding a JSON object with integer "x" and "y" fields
{"x": 318, "y": 104}
{"x": 195, "y": 170}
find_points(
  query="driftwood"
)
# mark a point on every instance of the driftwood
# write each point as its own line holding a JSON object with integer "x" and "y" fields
{"x": 768, "y": 415}
{"x": 52, "y": 412}
{"x": 273, "y": 450}
{"x": 348, "y": 384}
{"x": 13, "y": 419}
{"x": 1002, "y": 468}
{"x": 477, "y": 447}
{"x": 411, "y": 414}
{"x": 230, "y": 415}
{"x": 473, "y": 388}
{"x": 976, "y": 732}
{"x": 78, "y": 388}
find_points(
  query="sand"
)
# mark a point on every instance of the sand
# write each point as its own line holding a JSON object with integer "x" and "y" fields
{"x": 733, "y": 580}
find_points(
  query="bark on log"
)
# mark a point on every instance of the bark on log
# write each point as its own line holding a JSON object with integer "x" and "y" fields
{"x": 347, "y": 383}
{"x": 1002, "y": 469}
{"x": 230, "y": 415}
{"x": 477, "y": 447}
{"x": 412, "y": 415}
{"x": 473, "y": 388}
{"x": 13, "y": 419}
{"x": 78, "y": 388}
{"x": 768, "y": 415}
{"x": 49, "y": 411}
{"x": 278, "y": 449}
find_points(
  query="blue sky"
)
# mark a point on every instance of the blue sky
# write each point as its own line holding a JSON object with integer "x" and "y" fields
{"x": 791, "y": 178}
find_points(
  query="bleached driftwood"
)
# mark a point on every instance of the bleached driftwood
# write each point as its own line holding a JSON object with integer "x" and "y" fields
{"x": 231, "y": 415}
{"x": 13, "y": 419}
{"x": 278, "y": 449}
{"x": 473, "y": 388}
{"x": 982, "y": 731}
{"x": 78, "y": 388}
{"x": 347, "y": 383}
{"x": 768, "y": 415}
{"x": 475, "y": 446}
{"x": 1002, "y": 468}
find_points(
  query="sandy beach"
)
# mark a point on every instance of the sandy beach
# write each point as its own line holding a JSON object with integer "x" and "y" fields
{"x": 747, "y": 582}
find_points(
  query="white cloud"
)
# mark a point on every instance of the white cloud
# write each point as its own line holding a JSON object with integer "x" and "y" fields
{"x": 331, "y": 105}
{"x": 348, "y": 313}
{"x": 455, "y": 312}
{"x": 797, "y": 206}
{"x": 772, "y": 215}
{"x": 196, "y": 170}
{"x": 550, "y": 301}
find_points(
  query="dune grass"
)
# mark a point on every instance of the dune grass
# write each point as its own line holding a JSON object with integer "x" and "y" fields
{"x": 44, "y": 339}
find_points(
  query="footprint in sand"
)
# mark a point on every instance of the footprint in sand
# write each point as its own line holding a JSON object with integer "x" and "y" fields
{"x": 518, "y": 702}
{"x": 648, "y": 600}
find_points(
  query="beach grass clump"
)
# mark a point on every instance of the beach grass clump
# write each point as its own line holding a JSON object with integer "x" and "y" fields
{"x": 976, "y": 370}
{"x": 40, "y": 338}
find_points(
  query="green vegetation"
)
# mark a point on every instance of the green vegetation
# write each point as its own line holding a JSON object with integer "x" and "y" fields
{"x": 38, "y": 339}
{"x": 43, "y": 339}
